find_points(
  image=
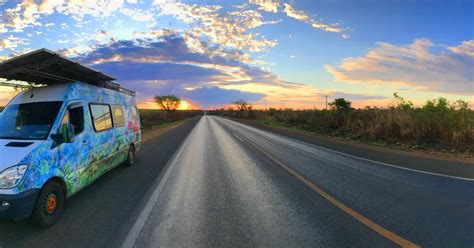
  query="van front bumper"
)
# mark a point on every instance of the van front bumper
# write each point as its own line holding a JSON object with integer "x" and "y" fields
{"x": 19, "y": 206}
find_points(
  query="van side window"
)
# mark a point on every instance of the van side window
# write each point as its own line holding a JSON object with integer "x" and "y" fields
{"x": 135, "y": 118}
{"x": 119, "y": 120}
{"x": 134, "y": 113}
{"x": 101, "y": 117}
{"x": 75, "y": 117}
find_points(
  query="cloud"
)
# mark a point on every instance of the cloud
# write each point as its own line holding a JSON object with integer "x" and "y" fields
{"x": 139, "y": 15}
{"x": 213, "y": 52}
{"x": 164, "y": 64}
{"x": 422, "y": 64}
{"x": 465, "y": 49}
{"x": 28, "y": 13}
{"x": 215, "y": 96}
{"x": 11, "y": 43}
{"x": 267, "y": 5}
{"x": 352, "y": 96}
{"x": 6, "y": 94}
{"x": 229, "y": 30}
{"x": 302, "y": 16}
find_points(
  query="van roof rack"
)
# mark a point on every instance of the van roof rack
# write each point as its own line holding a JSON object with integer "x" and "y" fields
{"x": 45, "y": 67}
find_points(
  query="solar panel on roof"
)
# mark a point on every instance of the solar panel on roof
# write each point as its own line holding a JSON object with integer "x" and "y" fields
{"x": 47, "y": 68}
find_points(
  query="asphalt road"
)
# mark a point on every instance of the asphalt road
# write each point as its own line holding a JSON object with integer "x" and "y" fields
{"x": 96, "y": 216}
{"x": 234, "y": 185}
{"x": 229, "y": 184}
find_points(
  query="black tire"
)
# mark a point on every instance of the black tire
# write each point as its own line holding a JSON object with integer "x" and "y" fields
{"x": 131, "y": 156}
{"x": 49, "y": 205}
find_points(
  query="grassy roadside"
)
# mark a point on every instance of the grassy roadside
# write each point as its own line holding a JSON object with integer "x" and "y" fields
{"x": 437, "y": 126}
{"x": 389, "y": 146}
{"x": 156, "y": 131}
{"x": 156, "y": 122}
{"x": 152, "y": 118}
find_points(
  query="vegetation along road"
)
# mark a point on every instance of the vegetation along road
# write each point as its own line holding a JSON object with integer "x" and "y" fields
{"x": 216, "y": 182}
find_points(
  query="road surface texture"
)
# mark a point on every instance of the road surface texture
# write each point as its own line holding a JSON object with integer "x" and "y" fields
{"x": 453, "y": 166}
{"x": 95, "y": 216}
{"x": 234, "y": 185}
{"x": 213, "y": 182}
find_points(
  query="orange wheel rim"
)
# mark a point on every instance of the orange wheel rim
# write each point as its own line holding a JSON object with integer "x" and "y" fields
{"x": 51, "y": 203}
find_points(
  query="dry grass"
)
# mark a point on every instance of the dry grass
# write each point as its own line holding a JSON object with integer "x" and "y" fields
{"x": 153, "y": 118}
{"x": 438, "y": 124}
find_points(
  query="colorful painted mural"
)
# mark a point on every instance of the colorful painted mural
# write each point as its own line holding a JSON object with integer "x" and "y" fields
{"x": 91, "y": 153}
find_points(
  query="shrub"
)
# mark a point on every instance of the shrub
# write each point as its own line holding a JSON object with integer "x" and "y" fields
{"x": 438, "y": 123}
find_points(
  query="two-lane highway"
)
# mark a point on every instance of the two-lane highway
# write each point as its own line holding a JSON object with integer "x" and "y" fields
{"x": 213, "y": 182}
{"x": 233, "y": 185}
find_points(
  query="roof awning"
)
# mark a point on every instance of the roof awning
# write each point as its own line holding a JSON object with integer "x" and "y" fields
{"x": 46, "y": 67}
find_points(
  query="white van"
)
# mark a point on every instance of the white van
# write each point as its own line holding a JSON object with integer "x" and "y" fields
{"x": 58, "y": 138}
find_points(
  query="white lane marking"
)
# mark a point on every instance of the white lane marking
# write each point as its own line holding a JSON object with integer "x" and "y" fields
{"x": 137, "y": 228}
{"x": 238, "y": 137}
{"x": 398, "y": 167}
{"x": 353, "y": 156}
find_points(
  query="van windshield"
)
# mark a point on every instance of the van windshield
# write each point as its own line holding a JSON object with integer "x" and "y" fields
{"x": 28, "y": 121}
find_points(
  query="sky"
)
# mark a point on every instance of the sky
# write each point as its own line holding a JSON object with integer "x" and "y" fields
{"x": 272, "y": 53}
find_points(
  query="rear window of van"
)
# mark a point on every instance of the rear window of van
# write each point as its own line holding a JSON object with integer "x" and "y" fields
{"x": 117, "y": 112}
{"x": 101, "y": 117}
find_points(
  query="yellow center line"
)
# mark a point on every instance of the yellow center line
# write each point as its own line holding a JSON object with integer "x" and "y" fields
{"x": 364, "y": 220}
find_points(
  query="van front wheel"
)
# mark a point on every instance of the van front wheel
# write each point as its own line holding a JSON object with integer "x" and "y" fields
{"x": 131, "y": 156}
{"x": 49, "y": 205}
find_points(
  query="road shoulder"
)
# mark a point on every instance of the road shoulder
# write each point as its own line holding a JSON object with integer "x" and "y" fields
{"x": 432, "y": 163}
{"x": 155, "y": 132}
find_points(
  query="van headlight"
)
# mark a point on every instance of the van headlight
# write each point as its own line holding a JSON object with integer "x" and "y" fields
{"x": 10, "y": 177}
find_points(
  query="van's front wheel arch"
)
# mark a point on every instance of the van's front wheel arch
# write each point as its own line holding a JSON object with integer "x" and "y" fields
{"x": 131, "y": 156}
{"x": 50, "y": 204}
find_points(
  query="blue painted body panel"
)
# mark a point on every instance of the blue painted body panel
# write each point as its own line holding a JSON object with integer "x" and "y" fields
{"x": 92, "y": 153}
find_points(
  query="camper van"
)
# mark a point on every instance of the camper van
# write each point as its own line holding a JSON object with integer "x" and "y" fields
{"x": 58, "y": 138}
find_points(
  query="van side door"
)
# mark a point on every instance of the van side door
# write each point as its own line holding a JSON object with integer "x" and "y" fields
{"x": 123, "y": 142}
{"x": 74, "y": 155}
{"x": 103, "y": 143}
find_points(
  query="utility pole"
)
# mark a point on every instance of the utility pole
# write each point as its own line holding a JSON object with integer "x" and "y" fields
{"x": 326, "y": 103}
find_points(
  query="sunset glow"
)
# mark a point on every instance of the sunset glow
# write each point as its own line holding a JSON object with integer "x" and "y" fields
{"x": 274, "y": 53}
{"x": 150, "y": 104}
{"x": 184, "y": 105}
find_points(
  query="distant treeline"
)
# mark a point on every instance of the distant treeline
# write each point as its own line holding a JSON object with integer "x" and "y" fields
{"x": 437, "y": 124}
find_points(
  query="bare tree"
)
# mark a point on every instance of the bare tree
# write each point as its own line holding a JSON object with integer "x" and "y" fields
{"x": 242, "y": 105}
{"x": 168, "y": 102}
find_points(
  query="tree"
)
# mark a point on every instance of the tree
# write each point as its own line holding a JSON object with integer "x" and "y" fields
{"x": 343, "y": 108}
{"x": 242, "y": 105}
{"x": 168, "y": 102}
{"x": 401, "y": 103}
{"x": 341, "y": 104}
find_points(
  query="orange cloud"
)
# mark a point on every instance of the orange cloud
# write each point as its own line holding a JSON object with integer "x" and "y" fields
{"x": 446, "y": 69}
